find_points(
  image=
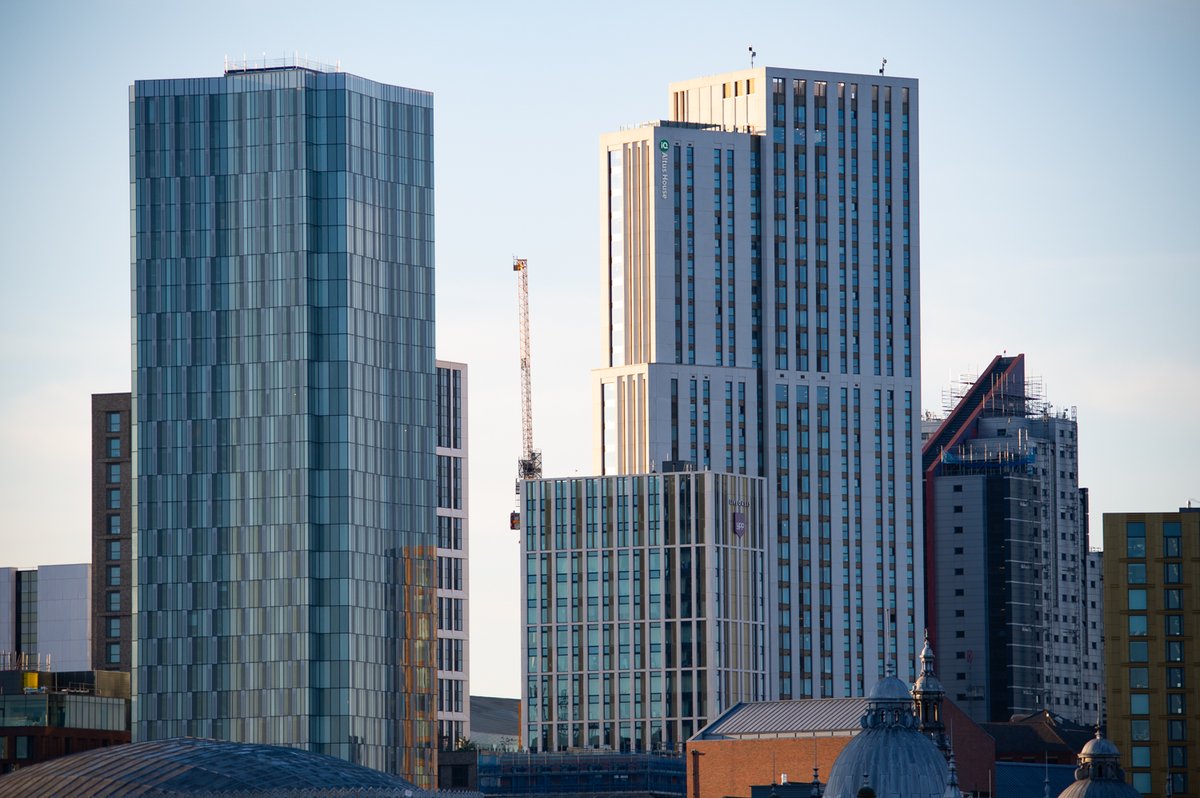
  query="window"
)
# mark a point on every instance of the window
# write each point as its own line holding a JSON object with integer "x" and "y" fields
{"x": 1173, "y": 599}
{"x": 114, "y": 525}
{"x": 958, "y": 488}
{"x": 1171, "y": 539}
{"x": 1139, "y": 678}
{"x": 1137, "y": 626}
{"x": 1177, "y": 730}
{"x": 114, "y": 627}
{"x": 1137, "y": 599}
{"x": 1139, "y": 756}
{"x": 1174, "y": 651}
{"x": 1139, "y": 704}
{"x": 1177, "y": 756}
{"x": 1178, "y": 783}
{"x": 1139, "y": 651}
{"x": 1172, "y": 573}
{"x": 22, "y": 747}
{"x": 114, "y": 447}
{"x": 114, "y": 549}
{"x": 1176, "y": 704}
{"x": 114, "y": 653}
{"x": 114, "y": 576}
{"x": 1141, "y": 782}
{"x": 1136, "y": 572}
{"x": 114, "y": 498}
{"x": 114, "y": 422}
{"x": 958, "y": 508}
{"x": 1135, "y": 539}
{"x": 1174, "y": 625}
{"x": 1175, "y": 678}
{"x": 1139, "y": 730}
{"x": 114, "y": 601}
{"x": 114, "y": 473}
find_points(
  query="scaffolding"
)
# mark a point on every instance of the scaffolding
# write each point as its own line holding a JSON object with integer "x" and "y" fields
{"x": 582, "y": 772}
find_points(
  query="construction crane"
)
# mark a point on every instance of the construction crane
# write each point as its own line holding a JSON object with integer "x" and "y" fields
{"x": 529, "y": 466}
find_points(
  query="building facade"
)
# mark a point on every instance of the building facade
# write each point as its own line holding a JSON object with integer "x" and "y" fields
{"x": 44, "y": 618}
{"x": 1006, "y": 527}
{"x": 112, "y": 533}
{"x": 1152, "y": 670}
{"x": 644, "y": 607}
{"x": 284, "y": 414}
{"x": 760, "y": 258}
{"x": 453, "y": 623}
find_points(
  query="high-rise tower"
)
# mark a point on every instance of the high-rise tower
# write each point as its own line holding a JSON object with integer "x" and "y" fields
{"x": 284, "y": 395}
{"x": 761, "y": 316}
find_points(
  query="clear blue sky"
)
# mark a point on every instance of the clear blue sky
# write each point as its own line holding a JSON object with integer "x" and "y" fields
{"x": 1059, "y": 215}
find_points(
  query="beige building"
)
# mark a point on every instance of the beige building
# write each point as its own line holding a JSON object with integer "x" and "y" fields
{"x": 1152, "y": 663}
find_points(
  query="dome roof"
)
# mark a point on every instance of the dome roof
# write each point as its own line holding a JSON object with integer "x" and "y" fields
{"x": 1099, "y": 746}
{"x": 896, "y": 761}
{"x": 1099, "y": 789}
{"x": 189, "y": 766}
{"x": 1099, "y": 774}
{"x": 889, "y": 688}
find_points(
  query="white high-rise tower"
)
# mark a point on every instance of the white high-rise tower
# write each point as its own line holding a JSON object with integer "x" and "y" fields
{"x": 761, "y": 316}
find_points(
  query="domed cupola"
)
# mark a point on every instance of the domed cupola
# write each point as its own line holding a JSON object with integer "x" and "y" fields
{"x": 928, "y": 695}
{"x": 890, "y": 753}
{"x": 1099, "y": 774}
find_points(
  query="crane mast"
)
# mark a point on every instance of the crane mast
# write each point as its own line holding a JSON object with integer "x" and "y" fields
{"x": 529, "y": 466}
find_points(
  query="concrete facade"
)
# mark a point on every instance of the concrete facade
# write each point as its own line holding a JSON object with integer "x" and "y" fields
{"x": 453, "y": 594}
{"x": 112, "y": 531}
{"x": 760, "y": 261}
{"x": 644, "y": 613}
{"x": 1007, "y": 537}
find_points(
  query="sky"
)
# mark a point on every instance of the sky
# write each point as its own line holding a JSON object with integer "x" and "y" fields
{"x": 1060, "y": 205}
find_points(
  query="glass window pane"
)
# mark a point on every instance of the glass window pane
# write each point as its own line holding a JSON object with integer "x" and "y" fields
{"x": 1139, "y": 677}
{"x": 1137, "y": 573}
{"x": 1140, "y": 756}
{"x": 1139, "y": 730}
{"x": 1139, "y": 704}
{"x": 114, "y": 447}
{"x": 1137, "y": 626}
{"x": 1137, "y": 599}
{"x": 1139, "y": 651}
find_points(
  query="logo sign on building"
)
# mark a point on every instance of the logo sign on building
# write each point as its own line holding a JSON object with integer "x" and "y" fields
{"x": 739, "y": 524}
{"x": 663, "y": 148}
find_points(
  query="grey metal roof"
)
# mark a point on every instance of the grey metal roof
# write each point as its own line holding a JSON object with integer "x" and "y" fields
{"x": 187, "y": 766}
{"x": 785, "y": 718}
{"x": 491, "y": 715}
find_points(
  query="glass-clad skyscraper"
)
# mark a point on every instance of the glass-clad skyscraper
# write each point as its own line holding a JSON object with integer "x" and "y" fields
{"x": 284, "y": 411}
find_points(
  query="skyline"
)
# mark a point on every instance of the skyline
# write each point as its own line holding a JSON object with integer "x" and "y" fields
{"x": 1099, "y": 185}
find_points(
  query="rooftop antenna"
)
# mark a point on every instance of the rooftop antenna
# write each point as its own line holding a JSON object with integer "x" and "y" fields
{"x": 881, "y": 66}
{"x": 752, "y": 54}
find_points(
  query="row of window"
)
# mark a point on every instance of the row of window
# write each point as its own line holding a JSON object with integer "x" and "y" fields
{"x": 1135, "y": 539}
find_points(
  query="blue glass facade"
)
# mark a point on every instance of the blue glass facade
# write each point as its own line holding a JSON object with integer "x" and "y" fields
{"x": 285, "y": 414}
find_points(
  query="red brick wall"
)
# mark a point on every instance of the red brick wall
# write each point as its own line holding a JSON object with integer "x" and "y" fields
{"x": 974, "y": 750}
{"x": 729, "y": 767}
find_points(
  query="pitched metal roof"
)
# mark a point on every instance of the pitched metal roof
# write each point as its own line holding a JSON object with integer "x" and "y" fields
{"x": 829, "y": 716}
